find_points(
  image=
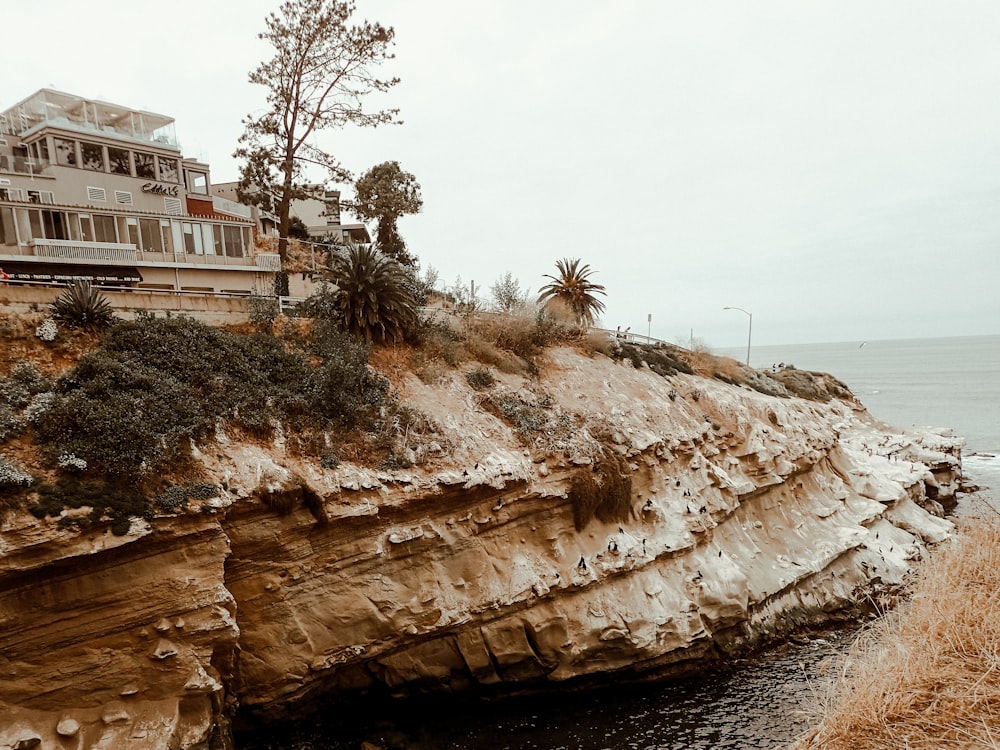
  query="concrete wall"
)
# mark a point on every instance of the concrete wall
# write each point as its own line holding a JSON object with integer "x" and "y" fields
{"x": 206, "y": 308}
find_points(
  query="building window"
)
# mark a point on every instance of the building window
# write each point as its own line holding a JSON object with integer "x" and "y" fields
{"x": 208, "y": 239}
{"x": 92, "y": 156}
{"x": 132, "y": 231}
{"x": 217, "y": 236}
{"x": 104, "y": 228}
{"x": 86, "y": 228}
{"x": 165, "y": 233}
{"x": 168, "y": 169}
{"x": 54, "y": 223}
{"x": 118, "y": 159}
{"x": 145, "y": 166}
{"x": 234, "y": 241}
{"x": 198, "y": 183}
{"x": 8, "y": 235}
{"x": 65, "y": 152}
{"x": 188, "y": 237}
{"x": 149, "y": 231}
{"x": 40, "y": 150}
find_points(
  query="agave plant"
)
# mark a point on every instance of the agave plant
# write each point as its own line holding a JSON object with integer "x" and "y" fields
{"x": 375, "y": 298}
{"x": 573, "y": 288}
{"x": 82, "y": 306}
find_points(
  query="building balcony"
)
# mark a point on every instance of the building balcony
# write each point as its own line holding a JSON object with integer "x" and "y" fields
{"x": 109, "y": 253}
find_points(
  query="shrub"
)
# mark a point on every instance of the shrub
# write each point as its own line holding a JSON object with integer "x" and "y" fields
{"x": 82, "y": 306}
{"x": 12, "y": 474}
{"x": 262, "y": 311}
{"x": 72, "y": 462}
{"x": 603, "y": 491}
{"x": 107, "y": 503}
{"x": 480, "y": 379}
{"x": 663, "y": 360}
{"x": 346, "y": 390}
{"x": 48, "y": 330}
{"x": 176, "y": 496}
{"x": 375, "y": 300}
{"x": 11, "y": 425}
{"x": 23, "y": 383}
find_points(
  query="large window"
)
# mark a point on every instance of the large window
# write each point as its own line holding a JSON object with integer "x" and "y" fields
{"x": 149, "y": 230}
{"x": 189, "y": 237}
{"x": 168, "y": 169}
{"x": 65, "y": 152}
{"x": 167, "y": 234}
{"x": 8, "y": 235}
{"x": 92, "y": 156}
{"x": 54, "y": 223}
{"x": 145, "y": 166}
{"x": 104, "y": 228}
{"x": 40, "y": 150}
{"x": 119, "y": 160}
{"x": 234, "y": 241}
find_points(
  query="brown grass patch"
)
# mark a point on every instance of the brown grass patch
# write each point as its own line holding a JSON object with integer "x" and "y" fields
{"x": 603, "y": 491}
{"x": 709, "y": 365}
{"x": 18, "y": 343}
{"x": 928, "y": 675}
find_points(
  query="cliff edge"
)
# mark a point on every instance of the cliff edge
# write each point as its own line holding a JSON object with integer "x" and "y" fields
{"x": 599, "y": 519}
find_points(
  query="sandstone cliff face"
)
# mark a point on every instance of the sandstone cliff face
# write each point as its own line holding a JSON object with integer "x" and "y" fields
{"x": 750, "y": 515}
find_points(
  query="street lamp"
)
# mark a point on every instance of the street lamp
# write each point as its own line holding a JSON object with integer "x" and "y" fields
{"x": 749, "y": 328}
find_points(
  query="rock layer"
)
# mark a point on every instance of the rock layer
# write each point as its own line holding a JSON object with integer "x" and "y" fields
{"x": 750, "y": 516}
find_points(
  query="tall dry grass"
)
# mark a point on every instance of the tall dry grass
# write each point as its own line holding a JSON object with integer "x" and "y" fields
{"x": 927, "y": 676}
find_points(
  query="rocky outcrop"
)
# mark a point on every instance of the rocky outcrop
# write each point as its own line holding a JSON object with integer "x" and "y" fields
{"x": 748, "y": 516}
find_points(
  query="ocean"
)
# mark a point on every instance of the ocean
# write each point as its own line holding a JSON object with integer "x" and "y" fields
{"x": 760, "y": 703}
{"x": 941, "y": 382}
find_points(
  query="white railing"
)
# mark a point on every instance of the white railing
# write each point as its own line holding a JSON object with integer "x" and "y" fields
{"x": 78, "y": 250}
{"x": 268, "y": 261}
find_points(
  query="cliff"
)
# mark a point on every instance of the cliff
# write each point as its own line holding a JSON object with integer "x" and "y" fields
{"x": 598, "y": 520}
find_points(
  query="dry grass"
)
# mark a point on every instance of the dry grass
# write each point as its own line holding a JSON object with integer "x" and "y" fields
{"x": 710, "y": 365}
{"x": 928, "y": 675}
{"x": 604, "y": 491}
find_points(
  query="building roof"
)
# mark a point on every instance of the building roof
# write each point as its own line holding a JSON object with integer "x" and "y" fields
{"x": 68, "y": 111}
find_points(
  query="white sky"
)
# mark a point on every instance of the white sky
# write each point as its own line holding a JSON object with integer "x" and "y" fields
{"x": 832, "y": 167}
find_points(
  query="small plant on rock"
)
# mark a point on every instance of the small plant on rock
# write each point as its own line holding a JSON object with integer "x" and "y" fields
{"x": 480, "y": 379}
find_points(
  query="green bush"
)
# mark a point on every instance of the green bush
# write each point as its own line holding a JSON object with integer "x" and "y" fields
{"x": 176, "y": 496}
{"x": 153, "y": 384}
{"x": 375, "y": 300}
{"x": 107, "y": 502}
{"x": 82, "y": 306}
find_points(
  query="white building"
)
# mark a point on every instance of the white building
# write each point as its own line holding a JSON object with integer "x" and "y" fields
{"x": 100, "y": 191}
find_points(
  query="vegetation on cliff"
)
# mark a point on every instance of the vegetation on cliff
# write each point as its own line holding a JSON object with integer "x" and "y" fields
{"x": 927, "y": 675}
{"x": 106, "y": 420}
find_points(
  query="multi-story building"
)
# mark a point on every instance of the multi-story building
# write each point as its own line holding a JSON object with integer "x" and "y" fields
{"x": 320, "y": 214}
{"x": 101, "y": 191}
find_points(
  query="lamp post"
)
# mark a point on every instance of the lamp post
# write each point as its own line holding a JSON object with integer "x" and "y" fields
{"x": 749, "y": 328}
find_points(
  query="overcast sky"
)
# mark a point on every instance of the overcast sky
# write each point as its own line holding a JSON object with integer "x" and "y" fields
{"x": 831, "y": 167}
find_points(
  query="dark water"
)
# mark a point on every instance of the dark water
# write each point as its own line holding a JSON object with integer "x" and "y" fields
{"x": 765, "y": 702}
{"x": 761, "y": 703}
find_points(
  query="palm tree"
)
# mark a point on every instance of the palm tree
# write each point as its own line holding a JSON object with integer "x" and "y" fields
{"x": 573, "y": 289}
{"x": 375, "y": 298}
